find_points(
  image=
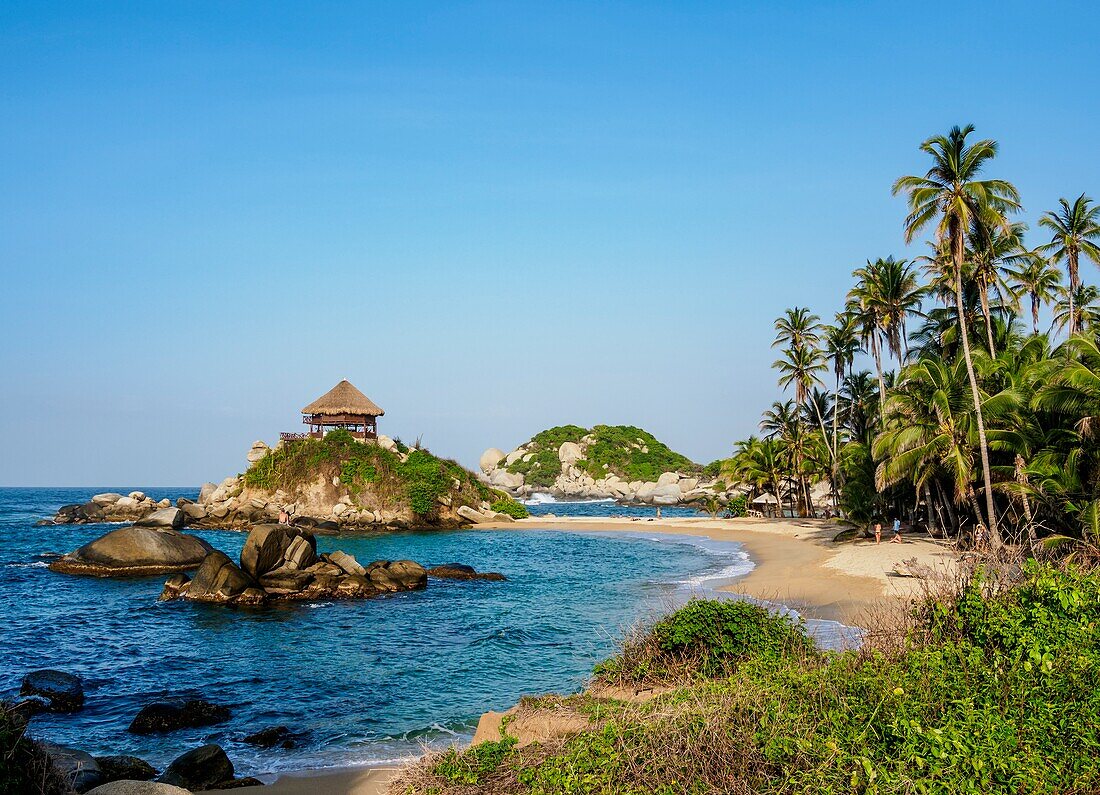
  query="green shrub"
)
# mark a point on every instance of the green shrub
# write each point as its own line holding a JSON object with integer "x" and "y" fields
{"x": 992, "y": 691}
{"x": 474, "y": 765}
{"x": 738, "y": 506}
{"x": 509, "y": 506}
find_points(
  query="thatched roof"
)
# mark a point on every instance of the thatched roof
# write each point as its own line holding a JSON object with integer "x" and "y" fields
{"x": 344, "y": 399}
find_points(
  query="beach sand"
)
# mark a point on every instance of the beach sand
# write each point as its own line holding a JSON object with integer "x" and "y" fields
{"x": 796, "y": 561}
{"x": 350, "y": 781}
{"x": 796, "y": 564}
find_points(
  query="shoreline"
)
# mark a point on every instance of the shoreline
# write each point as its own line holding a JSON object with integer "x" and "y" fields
{"x": 795, "y": 564}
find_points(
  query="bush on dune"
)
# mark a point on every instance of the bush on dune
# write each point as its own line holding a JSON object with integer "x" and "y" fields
{"x": 991, "y": 689}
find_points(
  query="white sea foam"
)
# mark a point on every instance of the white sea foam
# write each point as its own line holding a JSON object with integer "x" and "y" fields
{"x": 41, "y": 564}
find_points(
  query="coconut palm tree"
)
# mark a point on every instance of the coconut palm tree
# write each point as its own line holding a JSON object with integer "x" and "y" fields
{"x": 797, "y": 328}
{"x": 1031, "y": 274}
{"x": 952, "y": 198}
{"x": 1079, "y": 309}
{"x": 1075, "y": 230}
{"x": 988, "y": 250}
{"x": 840, "y": 344}
{"x": 865, "y": 311}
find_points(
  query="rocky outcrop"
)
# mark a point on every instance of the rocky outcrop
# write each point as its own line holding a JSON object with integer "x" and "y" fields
{"x": 108, "y": 507}
{"x": 458, "y": 571}
{"x": 168, "y": 716}
{"x": 565, "y": 469}
{"x": 272, "y": 737}
{"x": 77, "y": 767}
{"x": 63, "y": 692}
{"x": 279, "y": 562}
{"x": 135, "y": 551}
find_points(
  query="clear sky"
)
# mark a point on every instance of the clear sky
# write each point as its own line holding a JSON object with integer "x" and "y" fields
{"x": 491, "y": 217}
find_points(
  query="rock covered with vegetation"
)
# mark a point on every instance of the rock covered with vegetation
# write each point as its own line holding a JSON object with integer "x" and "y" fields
{"x": 988, "y": 687}
{"x": 339, "y": 481}
{"x": 608, "y": 461}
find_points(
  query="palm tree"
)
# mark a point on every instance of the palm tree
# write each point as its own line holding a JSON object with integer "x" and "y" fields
{"x": 799, "y": 368}
{"x": 1030, "y": 273}
{"x": 866, "y": 313}
{"x": 1079, "y": 309}
{"x": 840, "y": 346}
{"x": 951, "y": 196}
{"x": 798, "y": 328}
{"x": 1075, "y": 231}
{"x": 988, "y": 249}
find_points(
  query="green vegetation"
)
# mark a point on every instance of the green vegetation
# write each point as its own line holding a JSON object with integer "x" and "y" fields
{"x": 509, "y": 506}
{"x": 989, "y": 688}
{"x": 985, "y": 429}
{"x": 622, "y": 450}
{"x": 372, "y": 474}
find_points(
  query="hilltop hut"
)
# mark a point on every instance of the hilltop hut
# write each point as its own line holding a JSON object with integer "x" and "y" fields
{"x": 343, "y": 407}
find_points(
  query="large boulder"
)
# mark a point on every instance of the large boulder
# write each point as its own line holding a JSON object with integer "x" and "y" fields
{"x": 203, "y": 768}
{"x": 267, "y": 545}
{"x": 63, "y": 691}
{"x": 172, "y": 518}
{"x": 458, "y": 571}
{"x": 76, "y": 767}
{"x": 128, "y": 768}
{"x": 346, "y": 562}
{"x": 472, "y": 515}
{"x": 489, "y": 459}
{"x": 569, "y": 453}
{"x": 666, "y": 494}
{"x": 668, "y": 478}
{"x": 502, "y": 478}
{"x": 257, "y": 451}
{"x": 271, "y": 737}
{"x": 397, "y": 575}
{"x": 135, "y": 551}
{"x": 168, "y": 716}
{"x": 218, "y": 579}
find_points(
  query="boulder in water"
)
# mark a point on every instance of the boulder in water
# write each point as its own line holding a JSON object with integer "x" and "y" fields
{"x": 205, "y": 767}
{"x": 165, "y": 517}
{"x": 167, "y": 716}
{"x": 218, "y": 580}
{"x": 458, "y": 571}
{"x": 64, "y": 692}
{"x": 135, "y": 551}
{"x": 271, "y": 737}
{"x": 267, "y": 546}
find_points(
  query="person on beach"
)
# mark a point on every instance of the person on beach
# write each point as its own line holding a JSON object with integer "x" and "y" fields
{"x": 878, "y": 532}
{"x": 284, "y": 517}
{"x": 897, "y": 532}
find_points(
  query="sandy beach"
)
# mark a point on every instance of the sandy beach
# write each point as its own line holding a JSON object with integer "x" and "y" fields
{"x": 796, "y": 561}
{"x": 796, "y": 564}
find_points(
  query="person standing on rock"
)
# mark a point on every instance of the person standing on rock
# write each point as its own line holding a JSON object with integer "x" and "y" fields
{"x": 284, "y": 517}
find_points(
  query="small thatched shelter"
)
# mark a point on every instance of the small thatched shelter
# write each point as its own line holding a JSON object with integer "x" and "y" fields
{"x": 344, "y": 407}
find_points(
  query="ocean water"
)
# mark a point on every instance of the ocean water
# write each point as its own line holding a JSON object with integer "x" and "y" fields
{"x": 366, "y": 681}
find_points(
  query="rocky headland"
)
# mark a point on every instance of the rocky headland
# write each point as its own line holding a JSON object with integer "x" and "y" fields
{"x": 618, "y": 462}
{"x": 322, "y": 485}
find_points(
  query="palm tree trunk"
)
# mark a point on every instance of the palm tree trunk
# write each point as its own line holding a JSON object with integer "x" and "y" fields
{"x": 949, "y": 506}
{"x": 928, "y": 509}
{"x": 836, "y": 449}
{"x": 988, "y": 321}
{"x": 1072, "y": 263}
{"x": 994, "y": 532}
{"x": 1021, "y": 478}
{"x": 1034, "y": 313}
{"x": 878, "y": 367}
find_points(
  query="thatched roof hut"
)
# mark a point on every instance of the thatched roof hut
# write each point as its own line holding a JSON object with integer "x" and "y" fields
{"x": 344, "y": 398}
{"x": 343, "y": 407}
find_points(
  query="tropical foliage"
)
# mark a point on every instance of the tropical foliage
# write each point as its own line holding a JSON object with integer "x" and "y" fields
{"x": 975, "y": 420}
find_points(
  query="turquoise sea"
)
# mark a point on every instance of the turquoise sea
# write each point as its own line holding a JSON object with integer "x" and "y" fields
{"x": 364, "y": 681}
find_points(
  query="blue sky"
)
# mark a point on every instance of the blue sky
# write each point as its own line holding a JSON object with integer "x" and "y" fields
{"x": 491, "y": 217}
